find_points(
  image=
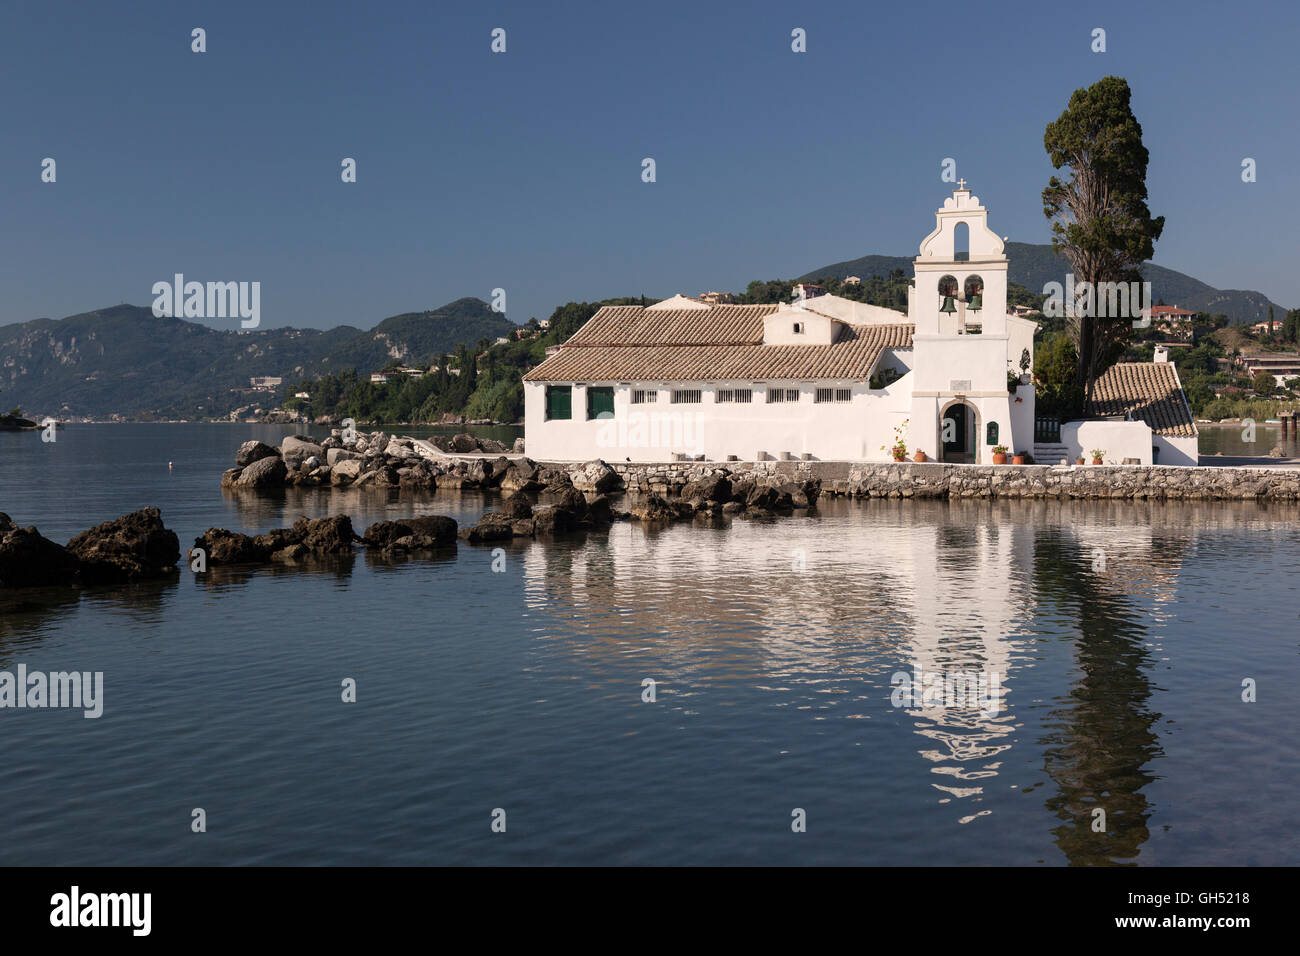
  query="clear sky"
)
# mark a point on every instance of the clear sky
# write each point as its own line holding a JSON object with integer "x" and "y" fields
{"x": 522, "y": 170}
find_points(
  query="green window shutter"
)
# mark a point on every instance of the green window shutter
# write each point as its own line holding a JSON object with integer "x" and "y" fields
{"x": 600, "y": 402}
{"x": 559, "y": 402}
{"x": 991, "y": 434}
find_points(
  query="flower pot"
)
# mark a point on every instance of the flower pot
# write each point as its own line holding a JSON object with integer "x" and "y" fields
{"x": 920, "y": 456}
{"x": 1096, "y": 461}
{"x": 999, "y": 458}
{"x": 1078, "y": 461}
{"x": 898, "y": 457}
{"x": 1017, "y": 459}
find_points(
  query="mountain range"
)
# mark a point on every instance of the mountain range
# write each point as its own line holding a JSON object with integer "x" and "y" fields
{"x": 1033, "y": 266}
{"x": 126, "y": 361}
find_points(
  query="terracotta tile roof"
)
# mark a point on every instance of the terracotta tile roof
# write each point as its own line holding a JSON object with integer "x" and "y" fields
{"x": 633, "y": 325}
{"x": 1150, "y": 391}
{"x": 688, "y": 349}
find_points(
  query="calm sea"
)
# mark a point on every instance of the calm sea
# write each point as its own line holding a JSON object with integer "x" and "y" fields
{"x": 1120, "y": 635}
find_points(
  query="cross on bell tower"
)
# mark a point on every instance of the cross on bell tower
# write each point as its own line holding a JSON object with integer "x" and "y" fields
{"x": 961, "y": 184}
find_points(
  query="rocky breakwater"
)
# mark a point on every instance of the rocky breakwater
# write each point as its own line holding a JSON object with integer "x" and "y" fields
{"x": 131, "y": 548}
{"x": 316, "y": 538}
{"x": 578, "y": 498}
{"x": 377, "y": 459}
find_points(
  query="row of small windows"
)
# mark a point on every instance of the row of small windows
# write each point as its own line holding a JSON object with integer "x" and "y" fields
{"x": 600, "y": 399}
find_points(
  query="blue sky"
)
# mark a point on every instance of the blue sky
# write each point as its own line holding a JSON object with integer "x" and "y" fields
{"x": 522, "y": 170}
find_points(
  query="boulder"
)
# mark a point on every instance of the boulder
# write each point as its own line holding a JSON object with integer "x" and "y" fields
{"x": 523, "y": 527}
{"x": 230, "y": 476}
{"x": 517, "y": 506}
{"x": 491, "y": 527}
{"x": 599, "y": 511}
{"x": 263, "y": 473}
{"x": 464, "y": 443}
{"x": 296, "y": 449}
{"x": 229, "y": 547}
{"x": 251, "y": 451}
{"x": 344, "y": 471}
{"x": 715, "y": 487}
{"x": 28, "y": 560}
{"x": 398, "y": 451}
{"x": 517, "y": 478}
{"x": 277, "y": 539}
{"x": 651, "y": 508}
{"x": 594, "y": 476}
{"x": 325, "y": 535}
{"x": 492, "y": 445}
{"x": 335, "y": 455}
{"x": 131, "y": 547}
{"x": 551, "y": 520}
{"x": 437, "y": 529}
{"x": 519, "y": 446}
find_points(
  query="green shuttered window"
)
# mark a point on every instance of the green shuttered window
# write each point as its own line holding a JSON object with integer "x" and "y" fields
{"x": 559, "y": 402}
{"x": 600, "y": 402}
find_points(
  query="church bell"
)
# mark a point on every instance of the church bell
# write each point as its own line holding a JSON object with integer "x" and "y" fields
{"x": 948, "y": 305}
{"x": 976, "y": 302}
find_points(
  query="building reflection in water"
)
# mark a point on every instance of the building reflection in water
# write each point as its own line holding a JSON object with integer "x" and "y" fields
{"x": 971, "y": 588}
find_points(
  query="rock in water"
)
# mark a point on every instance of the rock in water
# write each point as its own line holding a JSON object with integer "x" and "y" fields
{"x": 436, "y": 529}
{"x": 325, "y": 535}
{"x": 230, "y": 547}
{"x": 263, "y": 473}
{"x": 28, "y": 560}
{"x": 128, "y": 548}
{"x": 595, "y": 476}
{"x": 251, "y": 451}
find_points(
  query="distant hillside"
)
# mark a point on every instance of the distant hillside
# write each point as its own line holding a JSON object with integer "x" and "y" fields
{"x": 1033, "y": 266}
{"x": 124, "y": 361}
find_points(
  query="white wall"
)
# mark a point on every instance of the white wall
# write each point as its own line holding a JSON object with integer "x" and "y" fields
{"x": 851, "y": 431}
{"x": 1119, "y": 440}
{"x": 1177, "y": 451}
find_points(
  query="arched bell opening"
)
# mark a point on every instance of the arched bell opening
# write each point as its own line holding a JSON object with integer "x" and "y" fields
{"x": 948, "y": 294}
{"x": 973, "y": 293}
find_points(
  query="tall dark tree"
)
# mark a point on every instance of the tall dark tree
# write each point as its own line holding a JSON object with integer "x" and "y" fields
{"x": 1099, "y": 215}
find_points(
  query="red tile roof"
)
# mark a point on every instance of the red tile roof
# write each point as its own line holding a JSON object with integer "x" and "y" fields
{"x": 1150, "y": 391}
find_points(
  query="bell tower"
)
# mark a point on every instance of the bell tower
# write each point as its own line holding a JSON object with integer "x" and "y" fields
{"x": 953, "y": 294}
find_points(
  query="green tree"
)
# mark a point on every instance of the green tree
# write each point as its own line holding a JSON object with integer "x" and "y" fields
{"x": 1100, "y": 220}
{"x": 1263, "y": 383}
{"x": 1055, "y": 362}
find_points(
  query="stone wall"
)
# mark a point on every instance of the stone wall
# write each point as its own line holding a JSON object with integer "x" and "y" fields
{"x": 933, "y": 480}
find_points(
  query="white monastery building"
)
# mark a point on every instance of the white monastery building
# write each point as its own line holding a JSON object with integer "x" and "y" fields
{"x": 828, "y": 378}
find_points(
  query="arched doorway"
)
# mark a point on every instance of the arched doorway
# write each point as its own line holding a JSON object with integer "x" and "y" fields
{"x": 959, "y": 433}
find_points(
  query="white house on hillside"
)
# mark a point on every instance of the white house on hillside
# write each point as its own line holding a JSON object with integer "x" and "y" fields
{"x": 829, "y": 378}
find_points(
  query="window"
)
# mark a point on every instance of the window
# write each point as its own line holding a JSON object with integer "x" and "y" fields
{"x": 832, "y": 395}
{"x": 645, "y": 396}
{"x": 798, "y": 328}
{"x": 843, "y": 394}
{"x": 777, "y": 395}
{"x": 792, "y": 394}
{"x": 559, "y": 402}
{"x": 991, "y": 433}
{"x": 600, "y": 402}
{"x": 738, "y": 395}
{"x": 686, "y": 396}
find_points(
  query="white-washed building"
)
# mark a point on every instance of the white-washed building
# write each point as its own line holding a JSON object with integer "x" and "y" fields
{"x": 822, "y": 377}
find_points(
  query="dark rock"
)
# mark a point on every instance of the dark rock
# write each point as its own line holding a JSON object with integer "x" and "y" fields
{"x": 230, "y": 476}
{"x": 517, "y": 506}
{"x": 28, "y": 560}
{"x": 277, "y": 539}
{"x": 464, "y": 443}
{"x": 491, "y": 527}
{"x": 711, "y": 488}
{"x": 128, "y": 548}
{"x": 230, "y": 547}
{"x": 551, "y": 520}
{"x": 523, "y": 527}
{"x": 251, "y": 451}
{"x": 492, "y": 446}
{"x": 599, "y": 511}
{"x": 438, "y": 529}
{"x": 651, "y": 508}
{"x": 595, "y": 476}
{"x": 326, "y": 535}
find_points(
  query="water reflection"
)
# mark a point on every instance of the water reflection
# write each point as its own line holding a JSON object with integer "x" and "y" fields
{"x": 972, "y": 587}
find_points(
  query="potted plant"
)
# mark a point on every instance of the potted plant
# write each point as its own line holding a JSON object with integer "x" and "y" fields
{"x": 1018, "y": 458}
{"x": 898, "y": 450}
{"x": 919, "y": 456}
{"x": 1079, "y": 460}
{"x": 999, "y": 454}
{"x": 1013, "y": 382}
{"x": 1097, "y": 455}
